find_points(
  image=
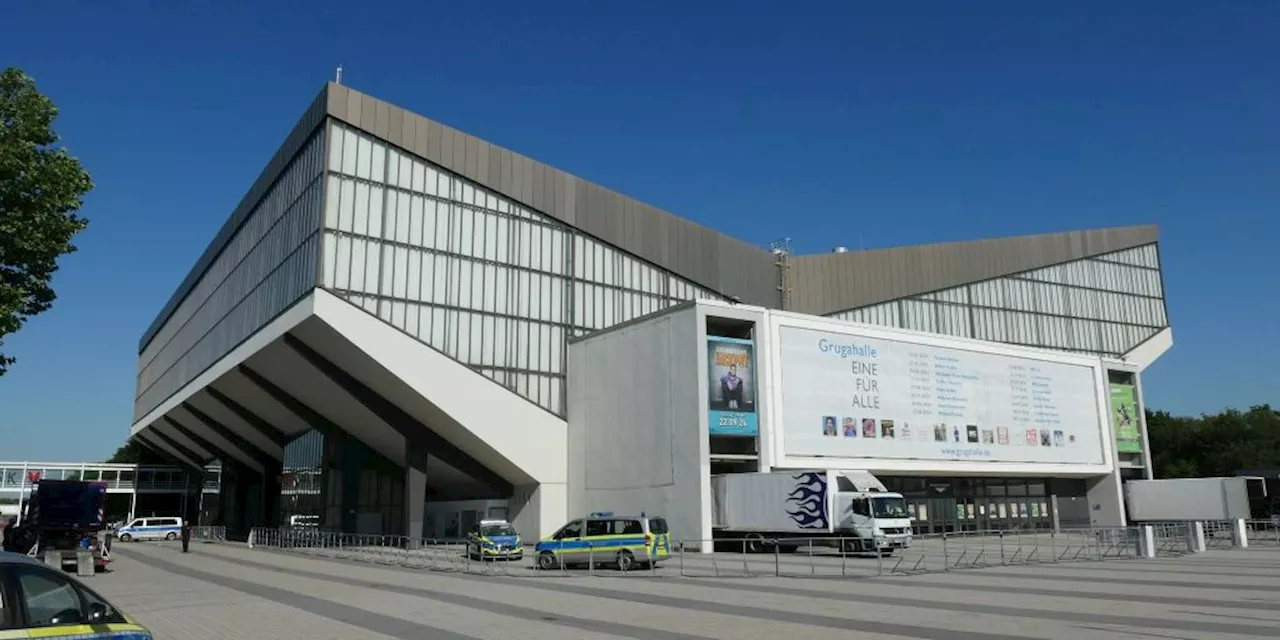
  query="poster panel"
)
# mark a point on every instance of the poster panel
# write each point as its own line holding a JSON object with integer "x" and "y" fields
{"x": 1124, "y": 415}
{"x": 731, "y": 387}
{"x": 851, "y": 396}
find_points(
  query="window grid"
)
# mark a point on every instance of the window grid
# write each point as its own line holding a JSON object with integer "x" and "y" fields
{"x": 266, "y": 266}
{"x": 1100, "y": 305}
{"x": 482, "y": 279}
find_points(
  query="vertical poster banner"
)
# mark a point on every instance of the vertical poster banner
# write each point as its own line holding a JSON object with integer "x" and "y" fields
{"x": 1124, "y": 414}
{"x": 731, "y": 387}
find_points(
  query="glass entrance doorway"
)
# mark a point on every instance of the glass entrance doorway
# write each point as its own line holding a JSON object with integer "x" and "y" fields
{"x": 950, "y": 505}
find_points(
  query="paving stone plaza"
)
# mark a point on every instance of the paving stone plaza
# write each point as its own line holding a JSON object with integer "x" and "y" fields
{"x": 227, "y": 591}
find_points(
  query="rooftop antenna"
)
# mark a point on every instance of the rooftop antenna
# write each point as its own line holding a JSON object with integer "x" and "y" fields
{"x": 338, "y": 78}
{"x": 781, "y": 249}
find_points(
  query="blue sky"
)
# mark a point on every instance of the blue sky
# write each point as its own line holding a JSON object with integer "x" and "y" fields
{"x": 854, "y": 123}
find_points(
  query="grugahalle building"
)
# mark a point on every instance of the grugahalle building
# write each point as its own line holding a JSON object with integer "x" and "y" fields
{"x": 380, "y": 333}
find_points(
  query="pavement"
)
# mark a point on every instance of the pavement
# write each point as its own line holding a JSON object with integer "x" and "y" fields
{"x": 228, "y": 591}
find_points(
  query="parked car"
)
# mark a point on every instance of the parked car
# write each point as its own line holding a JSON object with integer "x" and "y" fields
{"x": 39, "y": 601}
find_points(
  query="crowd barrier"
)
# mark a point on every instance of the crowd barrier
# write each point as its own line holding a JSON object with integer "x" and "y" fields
{"x": 793, "y": 557}
{"x": 209, "y": 534}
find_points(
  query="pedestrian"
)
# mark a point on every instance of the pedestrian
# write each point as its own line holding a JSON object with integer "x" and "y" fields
{"x": 186, "y": 535}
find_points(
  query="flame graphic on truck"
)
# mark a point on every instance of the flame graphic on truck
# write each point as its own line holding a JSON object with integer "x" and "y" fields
{"x": 809, "y": 501}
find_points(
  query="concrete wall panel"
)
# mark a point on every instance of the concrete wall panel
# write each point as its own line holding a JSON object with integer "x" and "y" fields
{"x": 887, "y": 274}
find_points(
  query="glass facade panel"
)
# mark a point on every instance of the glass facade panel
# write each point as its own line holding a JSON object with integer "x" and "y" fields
{"x": 483, "y": 279}
{"x": 1106, "y": 304}
{"x": 302, "y": 476}
{"x": 268, "y": 265}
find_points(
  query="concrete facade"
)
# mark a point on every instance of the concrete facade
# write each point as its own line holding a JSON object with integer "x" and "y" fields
{"x": 399, "y": 296}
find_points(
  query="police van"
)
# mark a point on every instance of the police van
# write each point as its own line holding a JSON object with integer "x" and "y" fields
{"x": 150, "y": 529}
{"x": 603, "y": 538}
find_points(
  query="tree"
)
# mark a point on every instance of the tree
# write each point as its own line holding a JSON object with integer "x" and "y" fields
{"x": 41, "y": 189}
{"x": 1214, "y": 444}
{"x": 132, "y": 452}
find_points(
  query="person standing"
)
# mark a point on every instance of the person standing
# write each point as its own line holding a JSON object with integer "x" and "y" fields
{"x": 186, "y": 535}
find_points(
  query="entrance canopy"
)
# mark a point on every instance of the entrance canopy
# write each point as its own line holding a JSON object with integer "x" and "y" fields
{"x": 330, "y": 366}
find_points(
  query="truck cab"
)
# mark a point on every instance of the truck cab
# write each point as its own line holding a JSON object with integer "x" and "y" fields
{"x": 869, "y": 518}
{"x": 872, "y": 521}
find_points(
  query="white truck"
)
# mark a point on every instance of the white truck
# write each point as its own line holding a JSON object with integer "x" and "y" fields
{"x": 850, "y": 510}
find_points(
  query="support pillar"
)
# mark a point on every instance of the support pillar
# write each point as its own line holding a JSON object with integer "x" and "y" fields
{"x": 1196, "y": 543}
{"x": 271, "y": 496}
{"x": 1147, "y": 541}
{"x": 133, "y": 503}
{"x": 1106, "y": 500}
{"x": 415, "y": 493}
{"x": 1239, "y": 533}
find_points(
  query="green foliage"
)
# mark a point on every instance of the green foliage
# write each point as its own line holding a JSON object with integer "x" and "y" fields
{"x": 133, "y": 453}
{"x": 41, "y": 189}
{"x": 1214, "y": 445}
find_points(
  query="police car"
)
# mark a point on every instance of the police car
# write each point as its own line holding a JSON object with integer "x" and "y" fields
{"x": 38, "y": 601}
{"x": 603, "y": 538}
{"x": 494, "y": 539}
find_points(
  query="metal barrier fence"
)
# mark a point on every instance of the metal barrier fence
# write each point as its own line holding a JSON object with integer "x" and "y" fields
{"x": 1263, "y": 533}
{"x": 430, "y": 554}
{"x": 1219, "y": 534}
{"x": 209, "y": 534}
{"x": 791, "y": 557}
{"x": 796, "y": 557}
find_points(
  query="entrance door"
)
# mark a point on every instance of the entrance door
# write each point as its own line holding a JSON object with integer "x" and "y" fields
{"x": 942, "y": 515}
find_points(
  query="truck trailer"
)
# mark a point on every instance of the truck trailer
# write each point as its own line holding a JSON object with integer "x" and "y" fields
{"x": 786, "y": 509}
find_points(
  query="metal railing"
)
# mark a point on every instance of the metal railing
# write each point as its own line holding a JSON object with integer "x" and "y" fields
{"x": 789, "y": 557}
{"x": 768, "y": 557}
{"x": 1263, "y": 533}
{"x": 430, "y": 554}
{"x": 209, "y": 534}
{"x": 1219, "y": 534}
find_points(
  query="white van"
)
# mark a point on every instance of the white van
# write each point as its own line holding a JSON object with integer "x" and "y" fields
{"x": 150, "y": 529}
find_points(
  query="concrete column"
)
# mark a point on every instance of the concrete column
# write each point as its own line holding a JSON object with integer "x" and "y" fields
{"x": 1106, "y": 500}
{"x": 1053, "y": 509}
{"x": 271, "y": 488}
{"x": 1239, "y": 533}
{"x": 1196, "y": 543}
{"x": 415, "y": 492}
{"x": 133, "y": 503}
{"x": 1147, "y": 541}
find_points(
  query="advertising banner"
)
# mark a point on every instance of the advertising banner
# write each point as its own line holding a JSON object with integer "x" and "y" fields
{"x": 731, "y": 387}
{"x": 1124, "y": 414}
{"x": 849, "y": 396}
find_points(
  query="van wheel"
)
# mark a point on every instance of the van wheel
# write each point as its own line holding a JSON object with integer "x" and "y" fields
{"x": 124, "y": 537}
{"x": 171, "y": 536}
{"x": 626, "y": 561}
{"x": 546, "y": 561}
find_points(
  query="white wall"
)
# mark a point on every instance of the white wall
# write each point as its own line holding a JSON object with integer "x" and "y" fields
{"x": 537, "y": 511}
{"x": 634, "y": 436}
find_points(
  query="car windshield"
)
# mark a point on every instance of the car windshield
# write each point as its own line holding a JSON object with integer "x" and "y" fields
{"x": 491, "y": 530}
{"x": 889, "y": 507}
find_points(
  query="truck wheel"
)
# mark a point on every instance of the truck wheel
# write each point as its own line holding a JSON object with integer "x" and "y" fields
{"x": 756, "y": 544}
{"x": 547, "y": 561}
{"x": 852, "y": 546}
{"x": 124, "y": 537}
{"x": 171, "y": 536}
{"x": 626, "y": 561}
